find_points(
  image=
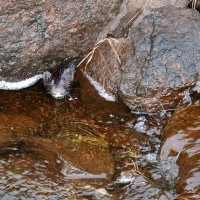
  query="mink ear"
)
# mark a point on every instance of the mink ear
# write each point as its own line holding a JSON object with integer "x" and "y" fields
{"x": 46, "y": 76}
{"x": 69, "y": 73}
{"x": 72, "y": 65}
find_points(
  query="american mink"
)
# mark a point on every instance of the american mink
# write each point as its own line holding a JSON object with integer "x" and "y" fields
{"x": 59, "y": 83}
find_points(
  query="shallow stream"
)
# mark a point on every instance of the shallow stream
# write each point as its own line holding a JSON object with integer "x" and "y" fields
{"x": 80, "y": 148}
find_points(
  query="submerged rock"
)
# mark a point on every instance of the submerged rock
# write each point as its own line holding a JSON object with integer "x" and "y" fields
{"x": 181, "y": 143}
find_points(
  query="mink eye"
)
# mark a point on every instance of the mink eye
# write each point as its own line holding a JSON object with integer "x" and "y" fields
{"x": 51, "y": 83}
{"x": 46, "y": 77}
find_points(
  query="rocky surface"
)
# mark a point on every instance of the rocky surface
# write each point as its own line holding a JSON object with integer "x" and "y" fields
{"x": 133, "y": 11}
{"x": 165, "y": 58}
{"x": 181, "y": 144}
{"x": 156, "y": 63}
{"x": 105, "y": 65}
{"x": 39, "y": 35}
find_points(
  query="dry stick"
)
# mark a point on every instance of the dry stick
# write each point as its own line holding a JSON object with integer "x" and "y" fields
{"x": 87, "y": 125}
{"x": 139, "y": 12}
{"x": 114, "y": 49}
{"x": 161, "y": 105}
{"x": 107, "y": 65}
{"x": 194, "y": 4}
{"x": 90, "y": 54}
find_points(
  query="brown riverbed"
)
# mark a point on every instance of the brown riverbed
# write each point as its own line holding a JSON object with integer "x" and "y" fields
{"x": 85, "y": 148}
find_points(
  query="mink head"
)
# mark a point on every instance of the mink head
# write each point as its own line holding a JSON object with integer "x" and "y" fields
{"x": 60, "y": 83}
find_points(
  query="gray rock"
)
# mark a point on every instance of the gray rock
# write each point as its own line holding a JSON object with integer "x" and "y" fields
{"x": 164, "y": 59}
{"x": 153, "y": 66}
{"x": 39, "y": 35}
{"x": 133, "y": 11}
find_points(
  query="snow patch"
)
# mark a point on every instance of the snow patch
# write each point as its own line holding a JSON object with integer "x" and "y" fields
{"x": 102, "y": 92}
{"x": 4, "y": 85}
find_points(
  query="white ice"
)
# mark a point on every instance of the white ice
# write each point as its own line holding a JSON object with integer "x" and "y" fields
{"x": 102, "y": 92}
{"x": 4, "y": 85}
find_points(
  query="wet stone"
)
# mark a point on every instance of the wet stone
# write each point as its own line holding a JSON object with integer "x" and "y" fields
{"x": 164, "y": 59}
{"x": 181, "y": 146}
{"x": 153, "y": 68}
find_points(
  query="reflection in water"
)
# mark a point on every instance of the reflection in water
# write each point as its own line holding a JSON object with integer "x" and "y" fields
{"x": 25, "y": 173}
{"x": 31, "y": 171}
{"x": 182, "y": 145}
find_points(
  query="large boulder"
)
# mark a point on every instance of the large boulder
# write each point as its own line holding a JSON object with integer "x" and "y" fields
{"x": 133, "y": 11}
{"x": 164, "y": 60}
{"x": 155, "y": 64}
{"x": 39, "y": 35}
